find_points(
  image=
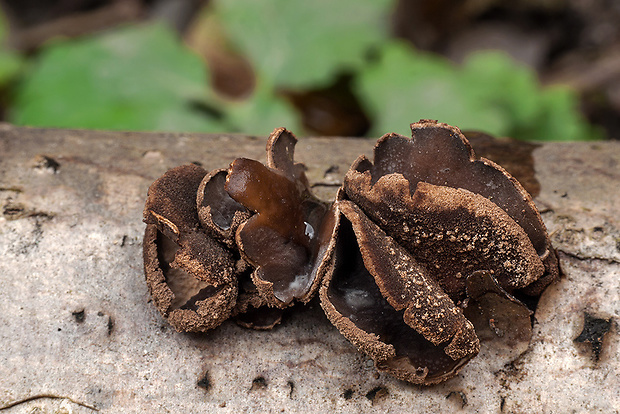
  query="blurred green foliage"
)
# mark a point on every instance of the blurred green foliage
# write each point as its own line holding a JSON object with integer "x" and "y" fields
{"x": 260, "y": 113}
{"x": 134, "y": 78}
{"x": 490, "y": 92}
{"x": 143, "y": 78}
{"x": 10, "y": 62}
{"x": 297, "y": 44}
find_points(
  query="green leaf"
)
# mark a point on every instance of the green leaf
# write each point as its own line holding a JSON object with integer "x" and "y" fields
{"x": 403, "y": 87}
{"x": 494, "y": 79}
{"x": 261, "y": 113}
{"x": 133, "y": 78}
{"x": 560, "y": 120}
{"x": 550, "y": 114}
{"x": 490, "y": 93}
{"x": 300, "y": 44}
{"x": 10, "y": 65}
{"x": 10, "y": 62}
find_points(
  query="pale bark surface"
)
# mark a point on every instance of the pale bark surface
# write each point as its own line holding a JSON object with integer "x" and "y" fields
{"x": 78, "y": 332}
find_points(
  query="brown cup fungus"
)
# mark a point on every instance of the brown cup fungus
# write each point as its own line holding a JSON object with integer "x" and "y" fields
{"x": 428, "y": 241}
{"x": 424, "y": 253}
{"x": 233, "y": 242}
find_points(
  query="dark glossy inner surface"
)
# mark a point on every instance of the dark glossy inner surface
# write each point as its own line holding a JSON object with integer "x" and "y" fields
{"x": 187, "y": 289}
{"x": 355, "y": 295}
{"x": 278, "y": 239}
{"x": 281, "y": 153}
{"x": 260, "y": 318}
{"x": 496, "y": 315}
{"x": 515, "y": 156}
{"x": 245, "y": 282}
{"x": 223, "y": 207}
{"x": 284, "y": 263}
{"x": 274, "y": 198}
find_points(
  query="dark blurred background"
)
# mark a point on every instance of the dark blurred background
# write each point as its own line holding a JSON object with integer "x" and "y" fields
{"x": 534, "y": 70}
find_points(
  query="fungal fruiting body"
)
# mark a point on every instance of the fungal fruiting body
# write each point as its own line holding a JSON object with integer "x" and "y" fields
{"x": 443, "y": 240}
{"x": 424, "y": 253}
{"x": 232, "y": 242}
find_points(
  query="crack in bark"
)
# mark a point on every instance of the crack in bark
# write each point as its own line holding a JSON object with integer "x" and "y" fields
{"x": 45, "y": 396}
{"x": 579, "y": 257}
{"x": 12, "y": 189}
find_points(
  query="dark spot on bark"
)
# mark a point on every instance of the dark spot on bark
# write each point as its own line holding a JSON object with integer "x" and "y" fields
{"x": 11, "y": 189}
{"x": 332, "y": 169}
{"x": 79, "y": 315}
{"x": 16, "y": 211}
{"x": 291, "y": 385}
{"x": 377, "y": 393}
{"x": 457, "y": 396}
{"x": 12, "y": 210}
{"x": 511, "y": 372}
{"x": 110, "y": 325}
{"x": 43, "y": 162}
{"x": 594, "y": 330}
{"x": 502, "y": 403}
{"x": 347, "y": 394}
{"x": 258, "y": 383}
{"x": 204, "y": 381}
{"x": 110, "y": 322}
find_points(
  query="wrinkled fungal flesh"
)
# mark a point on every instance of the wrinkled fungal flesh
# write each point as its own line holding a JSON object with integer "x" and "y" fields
{"x": 430, "y": 247}
{"x": 426, "y": 253}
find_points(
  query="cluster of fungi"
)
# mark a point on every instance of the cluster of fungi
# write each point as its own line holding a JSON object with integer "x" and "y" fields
{"x": 421, "y": 251}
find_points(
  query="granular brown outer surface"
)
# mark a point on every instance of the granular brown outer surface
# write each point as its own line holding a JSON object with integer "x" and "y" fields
{"x": 417, "y": 230}
{"x": 79, "y": 334}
